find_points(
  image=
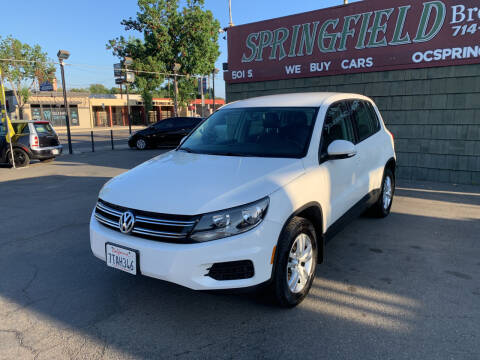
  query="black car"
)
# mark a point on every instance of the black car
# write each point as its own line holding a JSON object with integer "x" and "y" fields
{"x": 32, "y": 140}
{"x": 165, "y": 133}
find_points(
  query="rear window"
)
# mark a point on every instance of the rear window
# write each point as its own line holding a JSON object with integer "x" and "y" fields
{"x": 43, "y": 128}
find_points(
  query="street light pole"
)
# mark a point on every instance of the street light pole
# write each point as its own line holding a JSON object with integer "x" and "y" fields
{"x": 64, "y": 55}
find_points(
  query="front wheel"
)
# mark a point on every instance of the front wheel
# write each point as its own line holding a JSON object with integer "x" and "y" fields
{"x": 21, "y": 158}
{"x": 296, "y": 261}
{"x": 141, "y": 144}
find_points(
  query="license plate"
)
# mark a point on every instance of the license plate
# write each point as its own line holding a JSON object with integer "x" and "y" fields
{"x": 55, "y": 152}
{"x": 121, "y": 258}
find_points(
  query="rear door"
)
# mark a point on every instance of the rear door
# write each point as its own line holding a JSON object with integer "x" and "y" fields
{"x": 46, "y": 135}
{"x": 367, "y": 128}
{"x": 340, "y": 174}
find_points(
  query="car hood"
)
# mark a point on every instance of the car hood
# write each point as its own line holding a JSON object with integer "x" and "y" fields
{"x": 183, "y": 183}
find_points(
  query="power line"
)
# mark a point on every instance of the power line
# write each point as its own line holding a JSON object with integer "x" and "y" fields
{"x": 109, "y": 68}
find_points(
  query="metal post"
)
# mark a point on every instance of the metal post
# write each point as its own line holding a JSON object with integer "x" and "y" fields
{"x": 67, "y": 118}
{"x": 111, "y": 138}
{"x": 128, "y": 109}
{"x": 93, "y": 144}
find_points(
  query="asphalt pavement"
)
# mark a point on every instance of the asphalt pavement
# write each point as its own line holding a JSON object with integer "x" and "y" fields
{"x": 404, "y": 287}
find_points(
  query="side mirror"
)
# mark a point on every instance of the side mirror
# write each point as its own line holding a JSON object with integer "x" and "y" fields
{"x": 341, "y": 149}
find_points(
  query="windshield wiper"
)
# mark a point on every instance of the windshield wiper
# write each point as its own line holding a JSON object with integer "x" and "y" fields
{"x": 186, "y": 149}
{"x": 232, "y": 154}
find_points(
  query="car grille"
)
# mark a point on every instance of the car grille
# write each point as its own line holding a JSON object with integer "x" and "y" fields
{"x": 153, "y": 226}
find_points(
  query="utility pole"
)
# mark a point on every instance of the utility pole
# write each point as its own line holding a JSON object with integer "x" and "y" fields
{"x": 129, "y": 78}
{"x": 176, "y": 68}
{"x": 64, "y": 55}
{"x": 215, "y": 72}
{"x": 230, "y": 24}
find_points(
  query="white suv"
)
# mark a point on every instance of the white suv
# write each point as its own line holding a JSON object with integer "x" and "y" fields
{"x": 251, "y": 195}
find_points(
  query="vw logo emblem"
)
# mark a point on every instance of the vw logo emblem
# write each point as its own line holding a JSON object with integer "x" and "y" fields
{"x": 126, "y": 222}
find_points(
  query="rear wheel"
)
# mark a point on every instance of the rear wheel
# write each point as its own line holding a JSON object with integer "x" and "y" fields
{"x": 383, "y": 205}
{"x": 21, "y": 158}
{"x": 141, "y": 144}
{"x": 296, "y": 261}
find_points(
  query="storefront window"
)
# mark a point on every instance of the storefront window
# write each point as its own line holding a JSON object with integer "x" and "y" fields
{"x": 55, "y": 114}
{"x": 36, "y": 112}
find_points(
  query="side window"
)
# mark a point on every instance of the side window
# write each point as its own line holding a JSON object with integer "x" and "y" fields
{"x": 21, "y": 128}
{"x": 337, "y": 126}
{"x": 164, "y": 125}
{"x": 186, "y": 122}
{"x": 374, "y": 116}
{"x": 365, "y": 123}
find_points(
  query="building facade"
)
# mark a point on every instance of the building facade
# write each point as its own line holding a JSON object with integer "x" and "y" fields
{"x": 89, "y": 111}
{"x": 427, "y": 91}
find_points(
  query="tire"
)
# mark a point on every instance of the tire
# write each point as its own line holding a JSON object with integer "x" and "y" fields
{"x": 289, "y": 286}
{"x": 383, "y": 205}
{"x": 141, "y": 144}
{"x": 21, "y": 158}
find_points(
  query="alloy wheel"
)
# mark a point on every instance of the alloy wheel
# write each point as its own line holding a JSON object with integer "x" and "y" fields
{"x": 300, "y": 263}
{"x": 387, "y": 192}
{"x": 141, "y": 144}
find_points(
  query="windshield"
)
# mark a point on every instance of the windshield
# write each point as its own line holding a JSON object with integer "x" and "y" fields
{"x": 263, "y": 132}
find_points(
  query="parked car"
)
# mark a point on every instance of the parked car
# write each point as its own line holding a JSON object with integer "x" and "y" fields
{"x": 32, "y": 140}
{"x": 165, "y": 133}
{"x": 251, "y": 196}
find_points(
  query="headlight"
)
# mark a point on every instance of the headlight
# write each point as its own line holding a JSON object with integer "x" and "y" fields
{"x": 221, "y": 224}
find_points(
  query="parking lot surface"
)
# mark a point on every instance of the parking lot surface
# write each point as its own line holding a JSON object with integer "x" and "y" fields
{"x": 404, "y": 287}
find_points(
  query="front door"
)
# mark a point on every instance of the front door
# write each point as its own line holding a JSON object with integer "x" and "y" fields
{"x": 340, "y": 174}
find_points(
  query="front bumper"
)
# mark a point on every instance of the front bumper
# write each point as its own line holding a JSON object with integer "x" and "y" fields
{"x": 47, "y": 152}
{"x": 188, "y": 264}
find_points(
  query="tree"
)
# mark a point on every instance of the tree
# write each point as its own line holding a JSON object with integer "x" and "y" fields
{"x": 29, "y": 64}
{"x": 98, "y": 89}
{"x": 188, "y": 36}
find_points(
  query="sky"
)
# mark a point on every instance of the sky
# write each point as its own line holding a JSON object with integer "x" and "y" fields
{"x": 84, "y": 27}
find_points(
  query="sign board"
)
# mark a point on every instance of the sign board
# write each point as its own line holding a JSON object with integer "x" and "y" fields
{"x": 117, "y": 70}
{"x": 46, "y": 86}
{"x": 373, "y": 35}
